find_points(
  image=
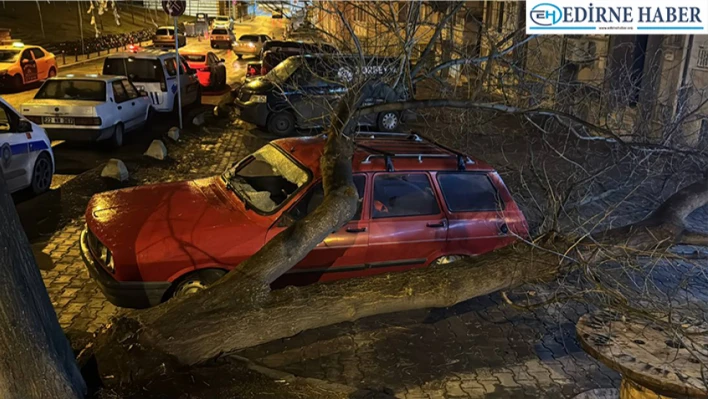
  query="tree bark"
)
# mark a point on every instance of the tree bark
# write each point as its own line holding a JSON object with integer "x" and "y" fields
{"x": 36, "y": 360}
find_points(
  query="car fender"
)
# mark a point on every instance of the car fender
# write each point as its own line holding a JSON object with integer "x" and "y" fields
{"x": 187, "y": 270}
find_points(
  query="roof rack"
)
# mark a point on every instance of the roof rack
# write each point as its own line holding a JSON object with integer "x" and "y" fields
{"x": 462, "y": 159}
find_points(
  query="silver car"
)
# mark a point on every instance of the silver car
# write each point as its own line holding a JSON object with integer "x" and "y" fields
{"x": 165, "y": 37}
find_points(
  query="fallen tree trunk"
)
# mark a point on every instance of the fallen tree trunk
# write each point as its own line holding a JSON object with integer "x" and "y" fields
{"x": 36, "y": 359}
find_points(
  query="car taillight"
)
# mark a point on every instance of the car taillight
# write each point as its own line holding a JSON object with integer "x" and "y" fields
{"x": 251, "y": 71}
{"x": 35, "y": 119}
{"x": 93, "y": 121}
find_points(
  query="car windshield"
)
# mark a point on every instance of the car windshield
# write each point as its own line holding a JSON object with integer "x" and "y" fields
{"x": 195, "y": 57}
{"x": 248, "y": 38}
{"x": 266, "y": 179}
{"x": 284, "y": 70}
{"x": 219, "y": 32}
{"x": 9, "y": 55}
{"x": 165, "y": 32}
{"x": 83, "y": 90}
{"x": 138, "y": 70}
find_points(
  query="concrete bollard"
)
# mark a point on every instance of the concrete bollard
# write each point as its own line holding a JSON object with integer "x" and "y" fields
{"x": 157, "y": 150}
{"x": 173, "y": 133}
{"x": 115, "y": 169}
{"x": 198, "y": 120}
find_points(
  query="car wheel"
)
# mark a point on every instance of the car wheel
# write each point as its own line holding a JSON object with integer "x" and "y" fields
{"x": 42, "y": 174}
{"x": 240, "y": 56}
{"x": 117, "y": 139}
{"x": 444, "y": 260}
{"x": 17, "y": 82}
{"x": 197, "y": 281}
{"x": 388, "y": 121}
{"x": 52, "y": 73}
{"x": 282, "y": 124}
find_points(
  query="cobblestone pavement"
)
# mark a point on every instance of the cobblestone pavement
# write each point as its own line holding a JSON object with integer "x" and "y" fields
{"x": 480, "y": 348}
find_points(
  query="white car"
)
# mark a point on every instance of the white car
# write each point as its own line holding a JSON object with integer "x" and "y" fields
{"x": 26, "y": 157}
{"x": 90, "y": 108}
{"x": 155, "y": 72}
{"x": 222, "y": 21}
{"x": 249, "y": 45}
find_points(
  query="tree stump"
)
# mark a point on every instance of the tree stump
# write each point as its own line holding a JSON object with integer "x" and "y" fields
{"x": 654, "y": 361}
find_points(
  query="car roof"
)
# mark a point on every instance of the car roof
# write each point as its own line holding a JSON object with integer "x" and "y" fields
{"x": 102, "y": 78}
{"x": 144, "y": 54}
{"x": 406, "y": 151}
{"x": 24, "y": 47}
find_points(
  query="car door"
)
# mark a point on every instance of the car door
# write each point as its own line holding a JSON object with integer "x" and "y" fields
{"x": 29, "y": 67}
{"x": 138, "y": 104}
{"x": 408, "y": 227}
{"x": 189, "y": 84}
{"x": 217, "y": 69}
{"x": 41, "y": 61}
{"x": 14, "y": 150}
{"x": 310, "y": 99}
{"x": 122, "y": 104}
{"x": 341, "y": 255}
{"x": 475, "y": 213}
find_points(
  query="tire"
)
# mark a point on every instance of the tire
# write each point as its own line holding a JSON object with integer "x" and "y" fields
{"x": 52, "y": 73}
{"x": 17, "y": 83}
{"x": 281, "y": 124}
{"x": 116, "y": 140}
{"x": 388, "y": 121}
{"x": 195, "y": 282}
{"x": 42, "y": 173}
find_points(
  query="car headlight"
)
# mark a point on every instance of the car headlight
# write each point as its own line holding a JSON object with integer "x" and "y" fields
{"x": 258, "y": 98}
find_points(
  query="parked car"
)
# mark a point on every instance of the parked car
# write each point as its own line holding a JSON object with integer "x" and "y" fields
{"x": 211, "y": 70}
{"x": 302, "y": 91}
{"x": 146, "y": 244}
{"x": 155, "y": 72}
{"x": 22, "y": 64}
{"x": 276, "y": 51}
{"x": 221, "y": 37}
{"x": 222, "y": 21}
{"x": 90, "y": 108}
{"x": 165, "y": 37}
{"x": 249, "y": 45}
{"x": 26, "y": 157}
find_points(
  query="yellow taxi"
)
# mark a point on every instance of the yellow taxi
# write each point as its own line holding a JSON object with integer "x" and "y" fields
{"x": 21, "y": 64}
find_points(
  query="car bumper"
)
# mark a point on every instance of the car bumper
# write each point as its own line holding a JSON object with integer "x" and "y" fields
{"x": 131, "y": 294}
{"x": 256, "y": 113}
{"x": 81, "y": 135}
{"x": 246, "y": 50}
{"x": 219, "y": 43}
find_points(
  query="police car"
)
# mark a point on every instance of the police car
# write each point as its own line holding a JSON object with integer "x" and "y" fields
{"x": 26, "y": 158}
{"x": 21, "y": 64}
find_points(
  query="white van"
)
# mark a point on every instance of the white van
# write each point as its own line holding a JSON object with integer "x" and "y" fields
{"x": 155, "y": 72}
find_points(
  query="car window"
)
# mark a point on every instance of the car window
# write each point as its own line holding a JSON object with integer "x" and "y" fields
{"x": 5, "y": 123}
{"x": 26, "y": 55}
{"x": 38, "y": 53}
{"x": 407, "y": 194}
{"x": 469, "y": 192}
{"x": 171, "y": 67}
{"x": 267, "y": 179}
{"x": 248, "y": 38}
{"x": 220, "y": 32}
{"x": 138, "y": 70}
{"x": 130, "y": 89}
{"x": 73, "y": 89}
{"x": 9, "y": 55}
{"x": 264, "y": 38}
{"x": 119, "y": 93}
{"x": 194, "y": 57}
{"x": 313, "y": 198}
{"x": 165, "y": 32}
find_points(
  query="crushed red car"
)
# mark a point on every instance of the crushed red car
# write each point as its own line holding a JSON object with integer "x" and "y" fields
{"x": 420, "y": 204}
{"x": 211, "y": 70}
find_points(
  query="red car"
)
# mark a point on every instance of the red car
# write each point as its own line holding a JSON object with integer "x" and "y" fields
{"x": 211, "y": 71}
{"x": 420, "y": 203}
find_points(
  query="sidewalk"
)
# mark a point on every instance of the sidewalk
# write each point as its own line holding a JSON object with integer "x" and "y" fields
{"x": 71, "y": 60}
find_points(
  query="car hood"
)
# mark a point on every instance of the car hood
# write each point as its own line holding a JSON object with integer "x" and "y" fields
{"x": 260, "y": 85}
{"x": 193, "y": 221}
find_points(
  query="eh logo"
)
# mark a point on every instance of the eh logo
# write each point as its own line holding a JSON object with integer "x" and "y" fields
{"x": 546, "y": 14}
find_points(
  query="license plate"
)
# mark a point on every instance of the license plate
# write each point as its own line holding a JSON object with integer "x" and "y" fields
{"x": 57, "y": 120}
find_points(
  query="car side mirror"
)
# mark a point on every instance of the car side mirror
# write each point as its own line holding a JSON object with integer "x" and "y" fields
{"x": 24, "y": 126}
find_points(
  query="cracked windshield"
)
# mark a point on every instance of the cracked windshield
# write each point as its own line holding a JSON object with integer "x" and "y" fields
{"x": 267, "y": 179}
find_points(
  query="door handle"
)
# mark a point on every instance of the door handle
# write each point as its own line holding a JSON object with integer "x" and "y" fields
{"x": 120, "y": 107}
{"x": 356, "y": 230}
{"x": 439, "y": 224}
